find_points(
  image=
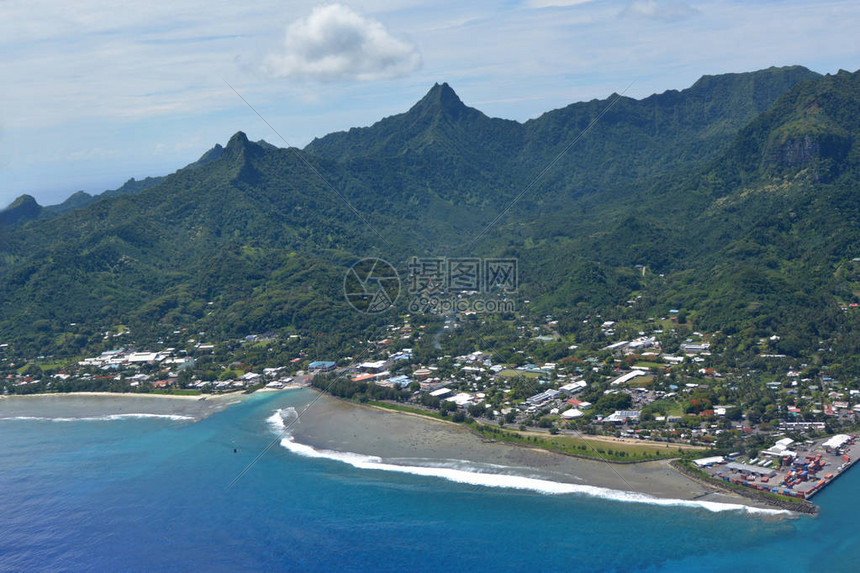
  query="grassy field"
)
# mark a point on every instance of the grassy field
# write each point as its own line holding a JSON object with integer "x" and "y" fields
{"x": 409, "y": 410}
{"x": 640, "y": 382}
{"x": 590, "y": 446}
{"x": 671, "y": 407}
{"x": 510, "y": 373}
{"x": 649, "y": 365}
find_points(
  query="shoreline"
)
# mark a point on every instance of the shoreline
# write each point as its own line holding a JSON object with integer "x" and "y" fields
{"x": 583, "y": 437}
{"x": 289, "y": 386}
{"x": 800, "y": 506}
{"x": 807, "y": 508}
{"x": 339, "y": 429}
{"x": 70, "y": 406}
{"x": 189, "y": 397}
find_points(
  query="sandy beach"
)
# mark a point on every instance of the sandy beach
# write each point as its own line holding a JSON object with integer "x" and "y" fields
{"x": 287, "y": 386}
{"x": 332, "y": 424}
{"x": 79, "y": 405}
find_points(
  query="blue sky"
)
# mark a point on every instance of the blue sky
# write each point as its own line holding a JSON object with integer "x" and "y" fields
{"x": 96, "y": 92}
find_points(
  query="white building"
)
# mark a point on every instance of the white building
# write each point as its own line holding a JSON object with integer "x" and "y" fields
{"x": 462, "y": 399}
{"x": 628, "y": 377}
{"x": 707, "y": 462}
{"x": 780, "y": 449}
{"x": 440, "y": 393}
{"x": 574, "y": 387}
{"x": 836, "y": 442}
{"x": 571, "y": 414}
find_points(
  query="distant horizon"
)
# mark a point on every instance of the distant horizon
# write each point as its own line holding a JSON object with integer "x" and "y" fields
{"x": 113, "y": 183}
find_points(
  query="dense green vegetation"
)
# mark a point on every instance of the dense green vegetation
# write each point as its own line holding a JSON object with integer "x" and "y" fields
{"x": 733, "y": 200}
{"x": 343, "y": 387}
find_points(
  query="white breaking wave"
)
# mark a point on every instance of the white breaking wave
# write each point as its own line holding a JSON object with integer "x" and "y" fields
{"x": 497, "y": 480}
{"x": 276, "y": 420}
{"x": 106, "y": 418}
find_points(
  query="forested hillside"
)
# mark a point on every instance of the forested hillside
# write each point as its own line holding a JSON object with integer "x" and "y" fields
{"x": 734, "y": 200}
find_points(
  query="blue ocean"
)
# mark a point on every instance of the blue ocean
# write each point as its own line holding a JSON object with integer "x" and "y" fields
{"x": 135, "y": 493}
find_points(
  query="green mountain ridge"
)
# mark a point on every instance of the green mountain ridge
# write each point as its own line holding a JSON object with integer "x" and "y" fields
{"x": 25, "y": 208}
{"x": 21, "y": 210}
{"x": 738, "y": 190}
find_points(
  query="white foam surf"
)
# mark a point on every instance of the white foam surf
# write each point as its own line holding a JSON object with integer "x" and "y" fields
{"x": 464, "y": 472}
{"x": 278, "y": 420}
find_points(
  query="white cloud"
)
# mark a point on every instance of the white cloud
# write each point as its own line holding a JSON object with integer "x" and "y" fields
{"x": 667, "y": 11}
{"x": 335, "y": 43}
{"x": 555, "y": 3}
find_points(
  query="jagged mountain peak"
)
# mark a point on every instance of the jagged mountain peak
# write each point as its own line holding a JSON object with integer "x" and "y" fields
{"x": 22, "y": 209}
{"x": 22, "y": 201}
{"x": 441, "y": 97}
{"x": 239, "y": 139}
{"x": 442, "y": 101}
